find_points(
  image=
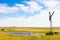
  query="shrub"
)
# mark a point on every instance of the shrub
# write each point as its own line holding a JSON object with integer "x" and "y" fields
{"x": 56, "y": 32}
{"x": 49, "y": 33}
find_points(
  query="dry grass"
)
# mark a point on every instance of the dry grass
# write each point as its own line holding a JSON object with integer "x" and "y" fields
{"x": 5, "y": 36}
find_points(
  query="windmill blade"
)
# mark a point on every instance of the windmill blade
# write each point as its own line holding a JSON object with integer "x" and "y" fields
{"x": 49, "y": 13}
{"x": 53, "y": 13}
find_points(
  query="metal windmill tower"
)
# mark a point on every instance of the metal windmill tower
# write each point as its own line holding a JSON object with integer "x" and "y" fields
{"x": 50, "y": 19}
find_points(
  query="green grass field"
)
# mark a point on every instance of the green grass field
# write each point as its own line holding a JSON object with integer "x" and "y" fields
{"x": 41, "y": 31}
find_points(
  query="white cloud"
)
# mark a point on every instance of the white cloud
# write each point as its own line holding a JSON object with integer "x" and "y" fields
{"x": 40, "y": 20}
{"x": 56, "y": 18}
{"x": 51, "y": 3}
{"x": 20, "y": 21}
{"x": 33, "y": 7}
{"x": 5, "y": 9}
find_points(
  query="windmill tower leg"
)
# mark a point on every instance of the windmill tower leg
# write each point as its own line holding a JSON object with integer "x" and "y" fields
{"x": 51, "y": 25}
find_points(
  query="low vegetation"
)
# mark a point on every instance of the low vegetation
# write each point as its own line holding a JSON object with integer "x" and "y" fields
{"x": 43, "y": 34}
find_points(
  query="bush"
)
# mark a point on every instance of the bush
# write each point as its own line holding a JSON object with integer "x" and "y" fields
{"x": 49, "y": 33}
{"x": 56, "y": 32}
{"x": 2, "y": 29}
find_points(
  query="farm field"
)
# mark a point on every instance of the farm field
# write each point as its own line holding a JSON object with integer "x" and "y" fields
{"x": 33, "y": 33}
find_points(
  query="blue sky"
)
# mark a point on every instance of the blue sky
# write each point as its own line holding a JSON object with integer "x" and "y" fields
{"x": 11, "y": 4}
{"x": 28, "y": 13}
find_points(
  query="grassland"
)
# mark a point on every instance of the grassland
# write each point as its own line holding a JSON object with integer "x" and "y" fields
{"x": 41, "y": 31}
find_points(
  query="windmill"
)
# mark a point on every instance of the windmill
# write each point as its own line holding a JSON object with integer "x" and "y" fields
{"x": 50, "y": 19}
